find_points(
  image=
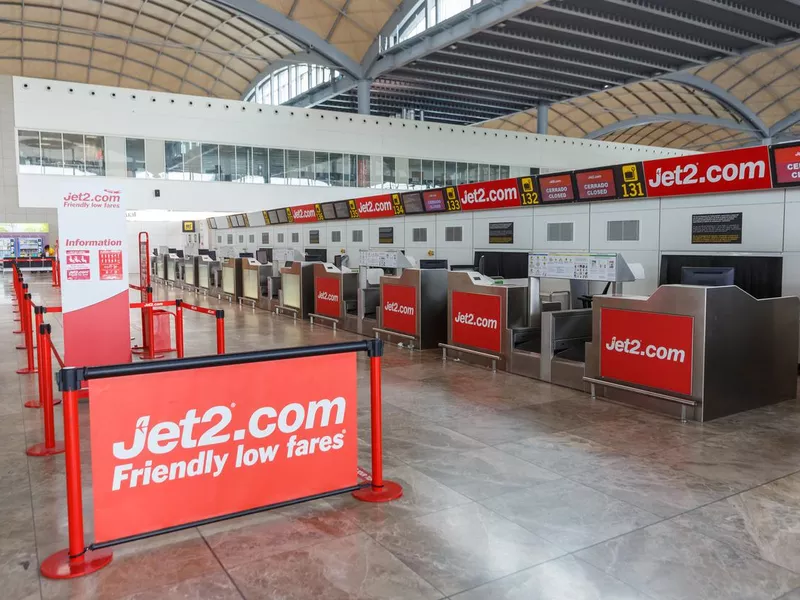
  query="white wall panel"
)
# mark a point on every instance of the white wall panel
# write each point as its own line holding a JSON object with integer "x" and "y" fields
{"x": 644, "y": 211}
{"x": 523, "y": 229}
{"x": 577, "y": 214}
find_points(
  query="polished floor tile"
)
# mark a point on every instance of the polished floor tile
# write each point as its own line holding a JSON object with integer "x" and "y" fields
{"x": 460, "y": 548}
{"x": 507, "y": 426}
{"x": 668, "y": 561}
{"x": 565, "y": 578}
{"x": 570, "y": 515}
{"x": 211, "y": 587}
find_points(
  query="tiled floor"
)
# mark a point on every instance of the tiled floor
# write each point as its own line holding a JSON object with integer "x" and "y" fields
{"x": 513, "y": 490}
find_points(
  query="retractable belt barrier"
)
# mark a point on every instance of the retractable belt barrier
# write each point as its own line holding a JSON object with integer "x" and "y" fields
{"x": 234, "y": 448}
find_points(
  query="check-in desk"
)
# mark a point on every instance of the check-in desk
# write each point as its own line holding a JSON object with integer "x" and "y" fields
{"x": 696, "y": 352}
{"x": 481, "y": 317}
{"x": 232, "y": 279}
{"x": 159, "y": 267}
{"x": 205, "y": 266}
{"x": 171, "y": 262}
{"x": 254, "y": 278}
{"x": 334, "y": 290}
{"x": 190, "y": 272}
{"x": 297, "y": 290}
{"x": 414, "y": 308}
{"x": 270, "y": 298}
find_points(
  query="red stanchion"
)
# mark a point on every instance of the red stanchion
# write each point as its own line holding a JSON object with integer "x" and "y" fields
{"x": 380, "y": 490}
{"x": 76, "y": 560}
{"x": 39, "y": 312}
{"x": 50, "y": 445}
{"x": 28, "y": 327}
{"x": 220, "y": 316}
{"x": 23, "y": 289}
{"x": 179, "y": 328}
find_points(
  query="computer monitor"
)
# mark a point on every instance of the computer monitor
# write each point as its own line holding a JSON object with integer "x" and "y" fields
{"x": 212, "y": 254}
{"x": 707, "y": 276}
{"x": 246, "y": 255}
{"x": 433, "y": 264}
{"x": 202, "y": 252}
{"x": 179, "y": 253}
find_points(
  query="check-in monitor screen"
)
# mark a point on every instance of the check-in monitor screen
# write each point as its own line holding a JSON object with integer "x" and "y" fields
{"x": 434, "y": 201}
{"x": 328, "y": 212}
{"x": 341, "y": 209}
{"x": 412, "y": 203}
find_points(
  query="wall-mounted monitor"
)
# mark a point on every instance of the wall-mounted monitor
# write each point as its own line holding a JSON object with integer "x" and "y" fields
{"x": 501, "y": 233}
{"x": 432, "y": 264}
{"x": 556, "y": 188}
{"x": 434, "y": 201}
{"x": 328, "y": 212}
{"x": 341, "y": 210}
{"x": 412, "y": 203}
{"x": 385, "y": 235}
{"x": 707, "y": 276}
{"x": 273, "y": 216}
{"x": 596, "y": 185}
{"x": 212, "y": 223}
{"x": 282, "y": 218}
{"x": 786, "y": 165}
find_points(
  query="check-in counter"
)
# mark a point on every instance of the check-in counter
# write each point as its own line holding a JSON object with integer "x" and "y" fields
{"x": 334, "y": 289}
{"x": 254, "y": 278}
{"x": 159, "y": 266}
{"x": 414, "y": 308}
{"x": 481, "y": 317}
{"x": 171, "y": 265}
{"x": 190, "y": 272}
{"x": 215, "y": 282}
{"x": 565, "y": 334}
{"x": 232, "y": 279}
{"x": 696, "y": 352}
{"x": 203, "y": 267}
{"x": 297, "y": 290}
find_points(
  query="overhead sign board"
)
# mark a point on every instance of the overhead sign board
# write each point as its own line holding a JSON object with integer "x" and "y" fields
{"x": 503, "y": 193}
{"x": 556, "y": 188}
{"x": 786, "y": 165}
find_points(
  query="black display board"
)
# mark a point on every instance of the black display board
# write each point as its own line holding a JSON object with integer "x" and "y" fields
{"x": 501, "y": 233}
{"x": 385, "y": 235}
{"x": 341, "y": 209}
{"x": 412, "y": 203}
{"x": 717, "y": 228}
{"x": 313, "y": 236}
{"x": 328, "y": 212}
{"x": 759, "y": 276}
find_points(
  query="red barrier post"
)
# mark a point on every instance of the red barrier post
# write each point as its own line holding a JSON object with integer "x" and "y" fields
{"x": 50, "y": 446}
{"x": 379, "y": 490}
{"x": 220, "y": 316}
{"x": 76, "y": 560}
{"x": 23, "y": 289}
{"x": 151, "y": 328}
{"x": 38, "y": 402}
{"x": 28, "y": 326}
{"x": 179, "y": 328}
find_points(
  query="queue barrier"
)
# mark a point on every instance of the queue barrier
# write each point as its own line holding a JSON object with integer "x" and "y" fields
{"x": 50, "y": 446}
{"x": 116, "y": 407}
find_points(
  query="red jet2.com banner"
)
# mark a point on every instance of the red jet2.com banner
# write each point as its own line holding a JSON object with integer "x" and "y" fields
{"x": 375, "y": 206}
{"x": 399, "y": 308}
{"x": 327, "y": 300}
{"x": 304, "y": 214}
{"x": 476, "y": 320}
{"x": 712, "y": 173}
{"x": 489, "y": 194}
{"x": 219, "y": 444}
{"x": 649, "y": 349}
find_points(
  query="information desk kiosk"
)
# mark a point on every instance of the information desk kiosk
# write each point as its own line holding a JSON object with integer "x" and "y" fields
{"x": 254, "y": 279}
{"x": 334, "y": 290}
{"x": 696, "y": 352}
{"x": 372, "y": 265}
{"x": 414, "y": 308}
{"x": 232, "y": 278}
{"x": 297, "y": 290}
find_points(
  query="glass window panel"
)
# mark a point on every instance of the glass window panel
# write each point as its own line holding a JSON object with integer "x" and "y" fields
{"x": 438, "y": 173}
{"x": 74, "y": 155}
{"x": 307, "y": 167}
{"x": 210, "y": 162}
{"x": 293, "y": 167}
{"x": 389, "y": 170}
{"x": 260, "y": 165}
{"x": 244, "y": 158}
{"x": 30, "y": 152}
{"x": 474, "y": 173}
{"x": 494, "y": 172}
{"x": 193, "y": 160}
{"x": 95, "y": 150}
{"x": 227, "y": 162}
{"x": 337, "y": 169}
{"x": 52, "y": 153}
{"x": 321, "y": 168}
{"x": 427, "y": 173}
{"x": 276, "y": 166}
{"x": 353, "y": 170}
{"x": 414, "y": 172}
{"x": 463, "y": 173}
{"x": 363, "y": 170}
{"x": 505, "y": 172}
{"x": 450, "y": 173}
{"x": 173, "y": 154}
{"x": 134, "y": 157}
{"x": 484, "y": 173}
{"x": 346, "y": 170}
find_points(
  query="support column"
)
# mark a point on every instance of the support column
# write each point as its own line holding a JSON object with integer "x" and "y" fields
{"x": 542, "y": 114}
{"x": 363, "y": 96}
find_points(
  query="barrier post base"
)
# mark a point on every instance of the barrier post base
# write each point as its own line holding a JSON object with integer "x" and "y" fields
{"x": 386, "y": 493}
{"x": 60, "y": 566}
{"x": 42, "y": 450}
{"x": 27, "y": 371}
{"x": 36, "y": 404}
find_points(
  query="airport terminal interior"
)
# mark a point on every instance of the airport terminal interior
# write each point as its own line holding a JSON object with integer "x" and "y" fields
{"x": 400, "y": 299}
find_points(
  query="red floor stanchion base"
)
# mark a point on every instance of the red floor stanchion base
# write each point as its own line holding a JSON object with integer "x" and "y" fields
{"x": 27, "y": 371}
{"x": 59, "y": 566}
{"x": 42, "y": 450}
{"x": 36, "y": 404}
{"x": 390, "y": 491}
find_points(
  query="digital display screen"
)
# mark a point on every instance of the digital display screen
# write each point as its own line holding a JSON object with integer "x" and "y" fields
{"x": 386, "y": 235}
{"x": 240, "y": 221}
{"x": 413, "y": 203}
{"x": 282, "y": 218}
{"x": 596, "y": 185}
{"x": 328, "y": 212}
{"x": 212, "y": 223}
{"x": 556, "y": 188}
{"x": 273, "y": 216}
{"x": 341, "y": 210}
{"x": 787, "y": 165}
{"x": 501, "y": 233}
{"x": 434, "y": 201}
{"x": 313, "y": 236}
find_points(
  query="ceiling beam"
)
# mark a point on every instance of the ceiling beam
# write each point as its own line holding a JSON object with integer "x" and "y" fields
{"x": 785, "y": 124}
{"x": 414, "y": 77}
{"x": 650, "y": 119}
{"x": 323, "y": 92}
{"x": 433, "y": 73}
{"x": 752, "y": 13}
{"x": 405, "y": 8}
{"x": 301, "y": 34}
{"x": 724, "y": 97}
{"x": 479, "y": 17}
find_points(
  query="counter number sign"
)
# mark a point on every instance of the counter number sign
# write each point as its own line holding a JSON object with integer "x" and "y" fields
{"x": 289, "y": 215}
{"x": 351, "y": 205}
{"x": 266, "y": 217}
{"x": 397, "y": 204}
{"x": 529, "y": 194}
{"x": 318, "y": 212}
{"x": 452, "y": 203}
{"x": 632, "y": 185}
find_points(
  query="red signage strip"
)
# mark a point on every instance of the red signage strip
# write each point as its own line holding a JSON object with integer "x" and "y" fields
{"x": 556, "y": 188}
{"x": 503, "y": 193}
{"x": 387, "y": 205}
{"x": 327, "y": 301}
{"x": 713, "y": 173}
{"x": 399, "y": 308}
{"x": 596, "y": 185}
{"x": 306, "y": 213}
{"x": 476, "y": 320}
{"x": 220, "y": 441}
{"x": 648, "y": 349}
